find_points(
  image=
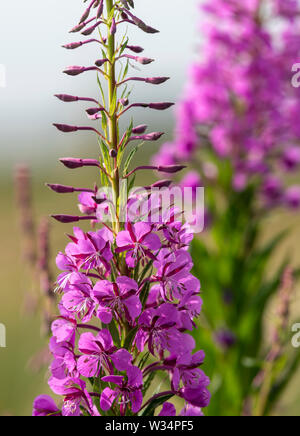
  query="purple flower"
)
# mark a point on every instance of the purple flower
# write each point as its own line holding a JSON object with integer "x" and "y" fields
{"x": 292, "y": 197}
{"x": 90, "y": 250}
{"x": 87, "y": 203}
{"x": 64, "y": 329}
{"x": 45, "y": 406}
{"x": 79, "y": 301}
{"x": 127, "y": 392}
{"x": 139, "y": 242}
{"x": 98, "y": 353}
{"x": 196, "y": 393}
{"x": 168, "y": 410}
{"x": 120, "y": 299}
{"x": 157, "y": 328}
{"x": 190, "y": 410}
{"x": 75, "y": 394}
{"x": 173, "y": 274}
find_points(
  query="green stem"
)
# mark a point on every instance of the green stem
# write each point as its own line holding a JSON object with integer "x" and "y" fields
{"x": 113, "y": 121}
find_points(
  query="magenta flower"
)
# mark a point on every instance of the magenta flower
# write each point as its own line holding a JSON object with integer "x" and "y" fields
{"x": 128, "y": 390}
{"x": 139, "y": 242}
{"x": 45, "y": 406}
{"x": 75, "y": 393}
{"x": 87, "y": 204}
{"x": 157, "y": 328}
{"x": 64, "y": 329}
{"x": 173, "y": 274}
{"x": 120, "y": 299}
{"x": 90, "y": 250}
{"x": 79, "y": 301}
{"x": 98, "y": 354}
{"x": 168, "y": 409}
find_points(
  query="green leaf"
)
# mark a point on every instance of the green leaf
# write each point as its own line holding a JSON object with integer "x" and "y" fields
{"x": 150, "y": 409}
{"x": 129, "y": 338}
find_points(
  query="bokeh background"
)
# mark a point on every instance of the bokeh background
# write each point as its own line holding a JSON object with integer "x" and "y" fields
{"x": 31, "y": 35}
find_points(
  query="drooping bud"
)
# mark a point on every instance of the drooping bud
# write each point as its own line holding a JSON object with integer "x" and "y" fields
{"x": 68, "y": 219}
{"x": 66, "y": 98}
{"x": 74, "y": 70}
{"x": 143, "y": 26}
{"x": 74, "y": 163}
{"x": 160, "y": 106}
{"x": 101, "y": 62}
{"x": 171, "y": 169}
{"x": 156, "y": 80}
{"x": 91, "y": 29}
{"x": 135, "y": 49}
{"x": 62, "y": 189}
{"x": 73, "y": 45}
{"x": 140, "y": 60}
{"x": 94, "y": 110}
{"x": 155, "y": 136}
{"x": 78, "y": 28}
{"x": 139, "y": 130}
{"x": 65, "y": 128}
{"x": 100, "y": 9}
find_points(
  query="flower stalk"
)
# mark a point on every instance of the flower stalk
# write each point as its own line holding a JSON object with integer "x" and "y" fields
{"x": 126, "y": 286}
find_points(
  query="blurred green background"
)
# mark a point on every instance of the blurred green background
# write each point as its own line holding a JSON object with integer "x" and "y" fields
{"x": 33, "y": 60}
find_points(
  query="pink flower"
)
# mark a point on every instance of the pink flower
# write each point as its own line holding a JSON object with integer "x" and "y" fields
{"x": 139, "y": 242}
{"x": 120, "y": 299}
{"x": 128, "y": 391}
{"x": 98, "y": 353}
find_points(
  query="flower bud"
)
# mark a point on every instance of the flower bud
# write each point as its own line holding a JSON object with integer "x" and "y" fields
{"x": 101, "y": 62}
{"x": 143, "y": 26}
{"x": 144, "y": 61}
{"x": 66, "y": 98}
{"x": 155, "y": 136}
{"x": 135, "y": 49}
{"x": 160, "y": 106}
{"x": 73, "y": 163}
{"x": 73, "y": 45}
{"x": 156, "y": 80}
{"x": 94, "y": 110}
{"x": 74, "y": 70}
{"x": 67, "y": 219}
{"x": 61, "y": 189}
{"x": 100, "y": 9}
{"x": 139, "y": 130}
{"x": 77, "y": 28}
{"x": 171, "y": 169}
{"x": 65, "y": 128}
{"x": 91, "y": 29}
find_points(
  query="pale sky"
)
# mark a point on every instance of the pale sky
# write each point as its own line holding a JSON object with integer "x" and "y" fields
{"x": 31, "y": 35}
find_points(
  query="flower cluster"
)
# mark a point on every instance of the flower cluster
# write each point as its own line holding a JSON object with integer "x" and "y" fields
{"x": 128, "y": 295}
{"x": 240, "y": 104}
